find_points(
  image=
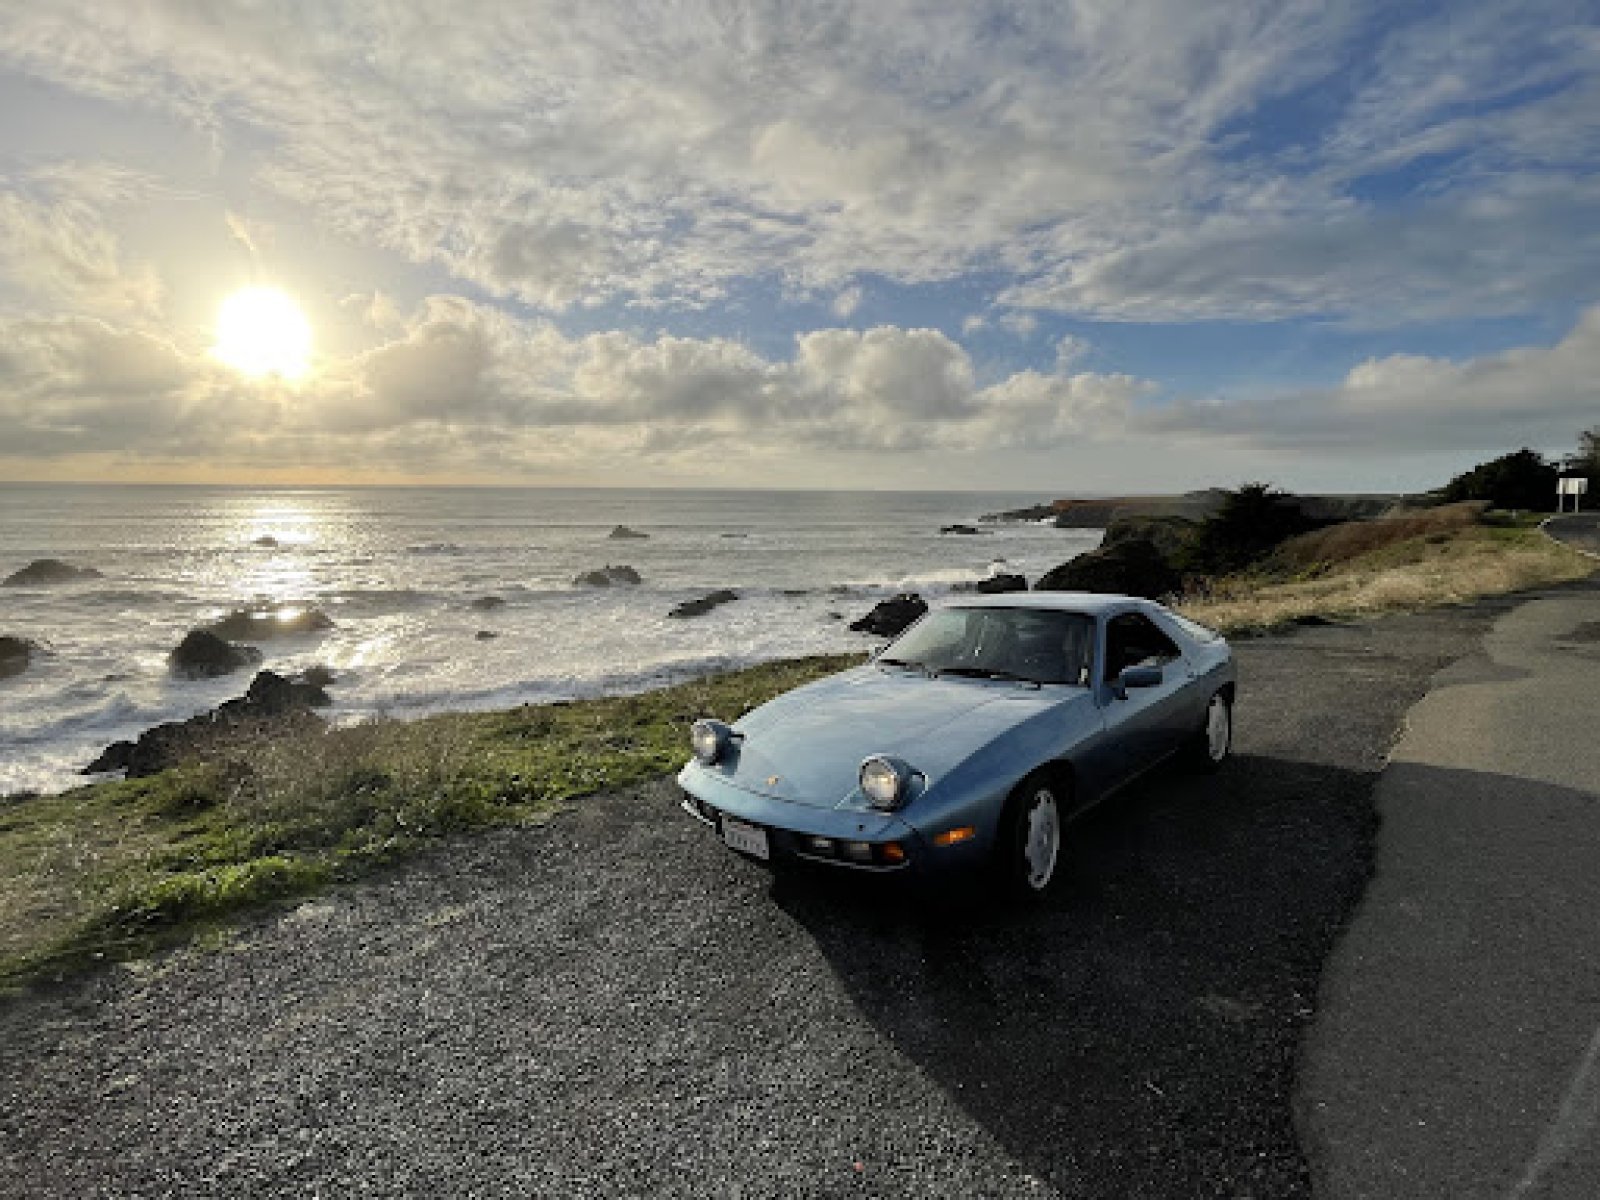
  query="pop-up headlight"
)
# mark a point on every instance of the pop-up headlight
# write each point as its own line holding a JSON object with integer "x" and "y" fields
{"x": 885, "y": 781}
{"x": 710, "y": 740}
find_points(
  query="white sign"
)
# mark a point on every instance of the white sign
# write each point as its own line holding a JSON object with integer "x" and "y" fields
{"x": 1570, "y": 487}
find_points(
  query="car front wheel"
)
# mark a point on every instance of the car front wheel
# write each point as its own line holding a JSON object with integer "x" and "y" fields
{"x": 1030, "y": 843}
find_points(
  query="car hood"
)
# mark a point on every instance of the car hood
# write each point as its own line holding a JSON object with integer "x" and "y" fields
{"x": 807, "y": 745}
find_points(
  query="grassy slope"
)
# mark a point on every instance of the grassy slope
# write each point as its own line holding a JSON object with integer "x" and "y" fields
{"x": 110, "y": 870}
{"x": 1451, "y": 565}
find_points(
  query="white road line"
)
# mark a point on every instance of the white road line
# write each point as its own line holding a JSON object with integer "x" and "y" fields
{"x": 1579, "y": 1108}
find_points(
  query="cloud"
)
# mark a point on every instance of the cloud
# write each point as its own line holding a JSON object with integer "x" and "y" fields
{"x": 1407, "y": 403}
{"x": 505, "y": 391}
{"x": 846, "y": 302}
{"x": 57, "y": 246}
{"x": 1117, "y": 160}
{"x": 1069, "y": 350}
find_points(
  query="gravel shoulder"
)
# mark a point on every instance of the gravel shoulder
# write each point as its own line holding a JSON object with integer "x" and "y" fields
{"x": 614, "y": 1005}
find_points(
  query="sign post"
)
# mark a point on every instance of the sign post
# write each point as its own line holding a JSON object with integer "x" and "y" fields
{"x": 1570, "y": 487}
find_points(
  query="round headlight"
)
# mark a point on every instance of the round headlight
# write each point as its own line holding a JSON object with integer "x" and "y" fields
{"x": 709, "y": 739}
{"x": 884, "y": 781}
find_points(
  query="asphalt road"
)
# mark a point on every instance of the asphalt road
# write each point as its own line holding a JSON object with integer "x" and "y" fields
{"x": 614, "y": 1005}
{"x": 1581, "y": 530}
{"x": 1458, "y": 1051}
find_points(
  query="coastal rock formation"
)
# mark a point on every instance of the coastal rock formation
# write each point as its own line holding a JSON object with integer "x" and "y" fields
{"x": 703, "y": 604}
{"x": 1131, "y": 566}
{"x": 607, "y": 575}
{"x": 968, "y": 530}
{"x": 204, "y": 655}
{"x": 271, "y": 694}
{"x": 488, "y": 603}
{"x": 15, "y": 655}
{"x": 889, "y": 617}
{"x": 254, "y": 625}
{"x": 622, "y": 532}
{"x": 272, "y": 703}
{"x": 44, "y": 571}
{"x": 1034, "y": 512}
{"x": 994, "y": 585}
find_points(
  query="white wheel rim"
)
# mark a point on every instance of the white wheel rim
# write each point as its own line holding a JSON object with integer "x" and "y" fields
{"x": 1041, "y": 844}
{"x": 1218, "y": 729}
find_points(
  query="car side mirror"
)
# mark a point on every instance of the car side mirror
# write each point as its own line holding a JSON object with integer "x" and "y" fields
{"x": 1136, "y": 677}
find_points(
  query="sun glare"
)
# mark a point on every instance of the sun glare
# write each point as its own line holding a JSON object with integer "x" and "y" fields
{"x": 261, "y": 331}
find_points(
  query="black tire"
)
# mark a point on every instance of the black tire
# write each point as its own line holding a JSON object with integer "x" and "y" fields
{"x": 1206, "y": 752}
{"x": 1029, "y": 849}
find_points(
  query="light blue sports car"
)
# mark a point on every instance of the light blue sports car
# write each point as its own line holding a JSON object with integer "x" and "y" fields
{"x": 973, "y": 738}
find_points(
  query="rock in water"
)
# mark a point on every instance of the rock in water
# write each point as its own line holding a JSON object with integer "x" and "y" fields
{"x": 622, "y": 531}
{"x": 968, "y": 530}
{"x": 994, "y": 585}
{"x": 485, "y": 635}
{"x": 204, "y": 655}
{"x": 15, "y": 655}
{"x": 488, "y": 603}
{"x": 48, "y": 571}
{"x": 266, "y": 541}
{"x": 271, "y": 694}
{"x": 703, "y": 604}
{"x": 607, "y": 575}
{"x": 255, "y": 625}
{"x": 1133, "y": 566}
{"x": 889, "y": 617}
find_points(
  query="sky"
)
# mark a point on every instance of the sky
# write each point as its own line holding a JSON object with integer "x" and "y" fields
{"x": 1072, "y": 247}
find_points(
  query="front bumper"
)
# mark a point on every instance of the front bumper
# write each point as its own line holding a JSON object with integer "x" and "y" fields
{"x": 792, "y": 829}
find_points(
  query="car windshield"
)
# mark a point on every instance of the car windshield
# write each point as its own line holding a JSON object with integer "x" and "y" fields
{"x": 1031, "y": 644}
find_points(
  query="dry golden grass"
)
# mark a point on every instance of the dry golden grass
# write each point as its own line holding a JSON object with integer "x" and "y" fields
{"x": 1353, "y": 539}
{"x": 1437, "y": 568}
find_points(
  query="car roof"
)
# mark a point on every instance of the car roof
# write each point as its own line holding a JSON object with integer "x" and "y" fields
{"x": 1088, "y": 603}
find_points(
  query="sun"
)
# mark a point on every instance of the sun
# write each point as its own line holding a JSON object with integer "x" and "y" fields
{"x": 261, "y": 331}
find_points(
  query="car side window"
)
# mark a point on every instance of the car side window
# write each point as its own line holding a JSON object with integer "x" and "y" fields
{"x": 1133, "y": 640}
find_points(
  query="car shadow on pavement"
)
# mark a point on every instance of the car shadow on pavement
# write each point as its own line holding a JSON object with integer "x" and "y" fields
{"x": 1136, "y": 1033}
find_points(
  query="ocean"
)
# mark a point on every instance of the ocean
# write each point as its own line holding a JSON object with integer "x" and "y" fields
{"x": 397, "y": 569}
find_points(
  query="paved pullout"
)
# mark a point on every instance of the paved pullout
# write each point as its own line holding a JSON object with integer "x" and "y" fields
{"x": 614, "y": 1005}
{"x": 1458, "y": 1048}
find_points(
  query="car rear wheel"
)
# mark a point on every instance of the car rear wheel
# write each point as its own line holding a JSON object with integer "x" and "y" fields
{"x": 1214, "y": 741}
{"x": 1029, "y": 850}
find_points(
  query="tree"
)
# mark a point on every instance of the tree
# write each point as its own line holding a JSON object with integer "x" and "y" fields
{"x": 1248, "y": 526}
{"x": 1588, "y": 459}
{"x": 1522, "y": 479}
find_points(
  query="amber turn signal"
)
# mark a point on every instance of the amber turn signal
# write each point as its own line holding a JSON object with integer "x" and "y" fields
{"x": 892, "y": 852}
{"x": 951, "y": 836}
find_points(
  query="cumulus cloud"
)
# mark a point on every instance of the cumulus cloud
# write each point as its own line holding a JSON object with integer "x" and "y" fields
{"x": 1102, "y": 159}
{"x": 1406, "y": 403}
{"x": 497, "y": 390}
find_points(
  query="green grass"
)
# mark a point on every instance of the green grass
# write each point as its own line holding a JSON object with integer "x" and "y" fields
{"x": 114, "y": 870}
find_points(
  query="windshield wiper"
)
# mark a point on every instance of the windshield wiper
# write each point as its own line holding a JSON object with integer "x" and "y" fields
{"x": 985, "y": 673}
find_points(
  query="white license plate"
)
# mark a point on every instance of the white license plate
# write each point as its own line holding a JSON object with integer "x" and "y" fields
{"x": 751, "y": 839}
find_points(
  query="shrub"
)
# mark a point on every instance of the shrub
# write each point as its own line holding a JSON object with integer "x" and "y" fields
{"x": 1251, "y": 522}
{"x": 1522, "y": 479}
